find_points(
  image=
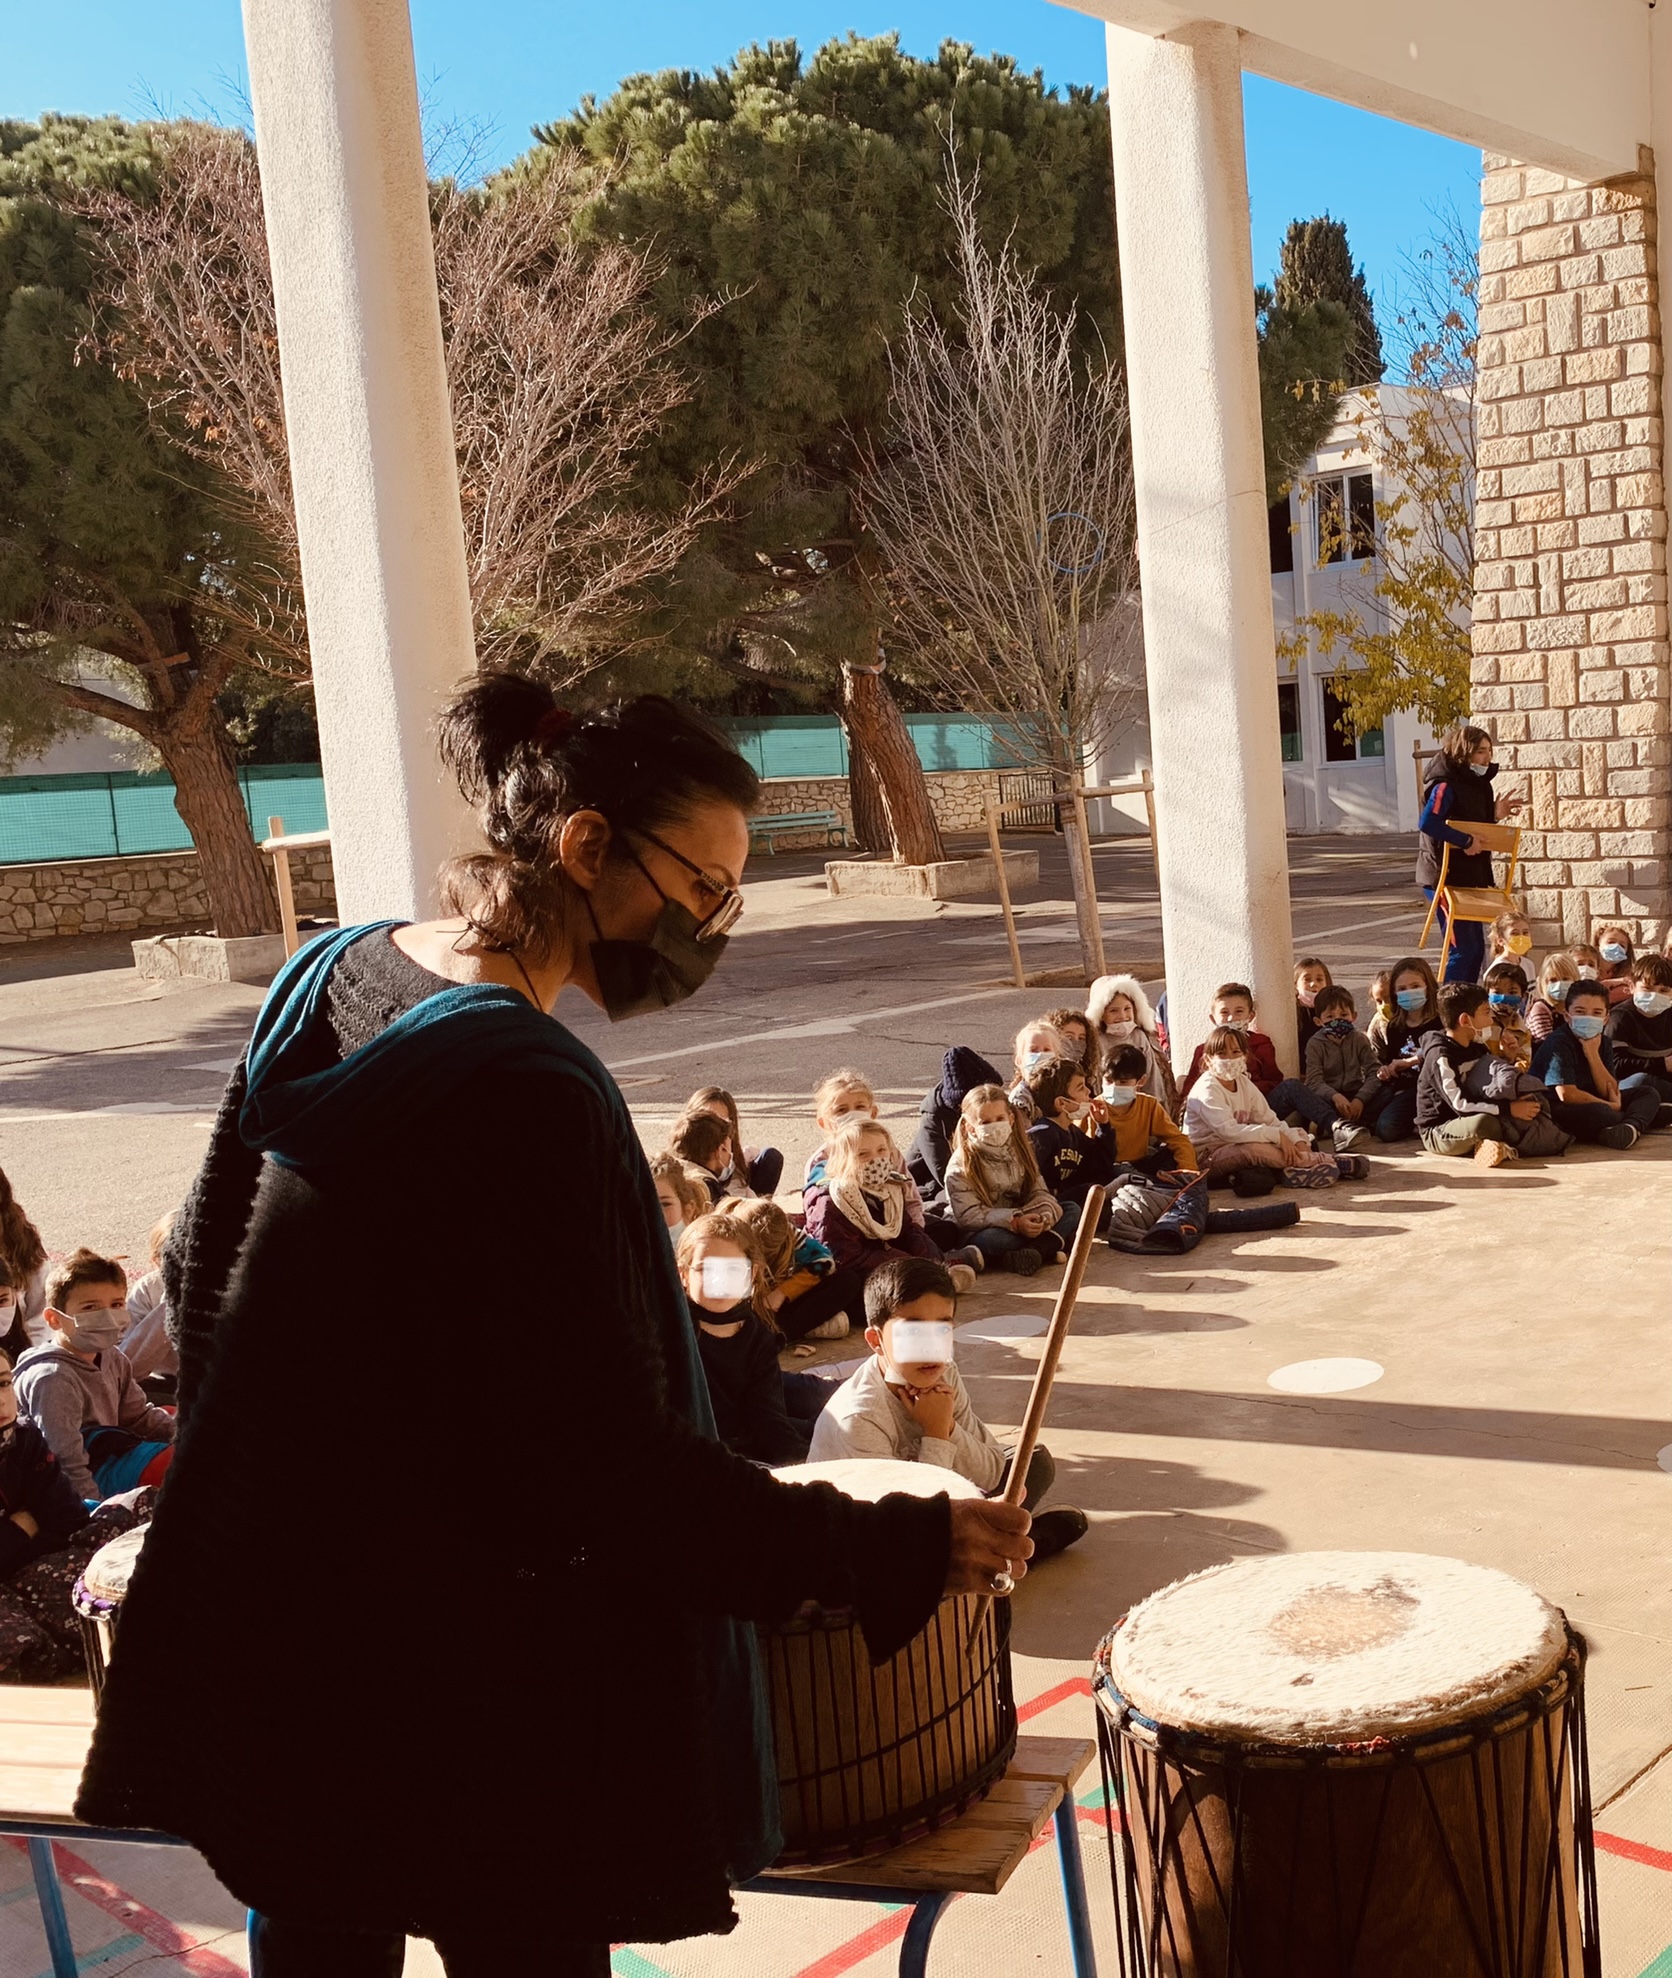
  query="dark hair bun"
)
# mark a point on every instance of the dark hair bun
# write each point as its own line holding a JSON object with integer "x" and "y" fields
{"x": 485, "y": 725}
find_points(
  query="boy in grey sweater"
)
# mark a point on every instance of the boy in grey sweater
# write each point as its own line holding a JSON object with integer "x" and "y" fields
{"x": 1341, "y": 1064}
{"x": 81, "y": 1393}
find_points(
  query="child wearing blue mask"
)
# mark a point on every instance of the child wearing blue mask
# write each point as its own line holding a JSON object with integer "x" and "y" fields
{"x": 1615, "y": 954}
{"x": 1342, "y": 1066}
{"x": 1550, "y": 993}
{"x": 1641, "y": 1030}
{"x": 1587, "y": 1097}
{"x": 1036, "y": 1044}
{"x": 1397, "y": 1041}
{"x": 1505, "y": 984}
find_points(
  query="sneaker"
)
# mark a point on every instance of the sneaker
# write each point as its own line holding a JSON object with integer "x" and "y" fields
{"x": 1352, "y": 1167}
{"x": 1663, "y": 1119}
{"x": 1619, "y": 1138}
{"x": 836, "y": 1328}
{"x": 1322, "y": 1175}
{"x": 971, "y": 1255}
{"x": 1055, "y": 1531}
{"x": 1349, "y": 1137}
{"x": 1494, "y": 1154}
{"x": 963, "y": 1278}
{"x": 1024, "y": 1262}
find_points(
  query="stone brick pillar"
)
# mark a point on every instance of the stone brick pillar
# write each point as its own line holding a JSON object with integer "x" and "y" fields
{"x": 1571, "y": 667}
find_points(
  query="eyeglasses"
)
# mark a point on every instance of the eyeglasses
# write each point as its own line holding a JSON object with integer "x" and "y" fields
{"x": 730, "y": 909}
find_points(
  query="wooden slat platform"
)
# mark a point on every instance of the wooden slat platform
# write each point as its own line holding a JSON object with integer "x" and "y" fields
{"x": 44, "y": 1735}
{"x": 977, "y": 1853}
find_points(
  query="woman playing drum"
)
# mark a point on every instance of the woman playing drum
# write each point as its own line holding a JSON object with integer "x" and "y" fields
{"x": 455, "y": 1644}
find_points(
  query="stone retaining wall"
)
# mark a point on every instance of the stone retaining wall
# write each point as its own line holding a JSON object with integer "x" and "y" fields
{"x": 1571, "y": 669}
{"x": 136, "y": 895}
{"x": 959, "y": 798}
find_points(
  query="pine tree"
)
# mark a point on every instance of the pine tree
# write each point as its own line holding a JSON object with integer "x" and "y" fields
{"x": 810, "y": 193}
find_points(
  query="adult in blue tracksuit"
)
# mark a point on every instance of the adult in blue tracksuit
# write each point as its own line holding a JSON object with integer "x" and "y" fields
{"x": 1456, "y": 793}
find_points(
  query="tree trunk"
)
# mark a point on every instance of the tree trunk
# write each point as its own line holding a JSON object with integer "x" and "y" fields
{"x": 873, "y": 720}
{"x": 211, "y": 806}
{"x": 1081, "y": 878}
{"x": 870, "y": 813}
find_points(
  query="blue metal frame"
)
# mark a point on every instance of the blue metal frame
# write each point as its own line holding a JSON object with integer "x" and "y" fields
{"x": 929, "y": 1905}
{"x": 40, "y": 1835}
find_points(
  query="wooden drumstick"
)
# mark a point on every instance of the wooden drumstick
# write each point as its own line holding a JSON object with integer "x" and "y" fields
{"x": 1046, "y": 1372}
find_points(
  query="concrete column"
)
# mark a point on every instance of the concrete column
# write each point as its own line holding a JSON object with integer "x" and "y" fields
{"x": 1187, "y": 281}
{"x": 371, "y": 435}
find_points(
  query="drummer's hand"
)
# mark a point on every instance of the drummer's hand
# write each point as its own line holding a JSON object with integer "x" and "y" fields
{"x": 988, "y": 1537}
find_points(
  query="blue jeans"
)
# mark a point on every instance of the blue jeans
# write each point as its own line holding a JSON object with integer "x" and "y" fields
{"x": 996, "y": 1244}
{"x": 1468, "y": 946}
{"x": 1391, "y": 1110}
{"x": 1294, "y": 1095}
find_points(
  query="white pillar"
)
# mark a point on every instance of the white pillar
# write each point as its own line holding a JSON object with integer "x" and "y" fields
{"x": 371, "y": 434}
{"x": 1187, "y": 281}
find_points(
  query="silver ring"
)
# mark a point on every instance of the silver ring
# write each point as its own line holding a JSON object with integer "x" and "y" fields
{"x": 1002, "y": 1583}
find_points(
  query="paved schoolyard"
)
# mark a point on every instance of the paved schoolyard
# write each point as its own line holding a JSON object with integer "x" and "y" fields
{"x": 1518, "y": 1319}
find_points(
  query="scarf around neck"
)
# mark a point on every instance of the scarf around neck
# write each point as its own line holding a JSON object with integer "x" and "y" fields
{"x": 853, "y": 1202}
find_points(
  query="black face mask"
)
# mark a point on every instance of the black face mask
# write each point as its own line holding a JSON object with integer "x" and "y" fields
{"x": 636, "y": 978}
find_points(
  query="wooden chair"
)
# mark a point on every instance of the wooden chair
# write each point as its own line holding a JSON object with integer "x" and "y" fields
{"x": 1474, "y": 903}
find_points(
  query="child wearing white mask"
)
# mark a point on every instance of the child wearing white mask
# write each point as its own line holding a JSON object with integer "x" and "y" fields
{"x": 865, "y": 1208}
{"x": 994, "y": 1188}
{"x": 1641, "y": 1030}
{"x": 15, "y": 1338}
{"x": 1146, "y": 1134}
{"x": 721, "y": 1268}
{"x": 1036, "y": 1044}
{"x": 682, "y": 1192}
{"x": 907, "y": 1404}
{"x": 1232, "y": 1127}
{"x": 1121, "y": 1012}
{"x": 81, "y": 1393}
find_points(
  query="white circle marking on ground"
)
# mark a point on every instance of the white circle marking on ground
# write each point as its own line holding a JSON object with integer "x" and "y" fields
{"x": 1324, "y": 1376}
{"x": 1007, "y": 1325}
{"x": 1664, "y": 1458}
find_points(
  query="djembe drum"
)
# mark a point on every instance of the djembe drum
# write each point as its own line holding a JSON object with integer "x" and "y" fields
{"x": 1348, "y": 1765}
{"x": 871, "y": 1754}
{"x": 98, "y": 1598}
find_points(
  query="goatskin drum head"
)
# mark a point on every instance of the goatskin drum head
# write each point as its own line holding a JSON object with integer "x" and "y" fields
{"x": 111, "y": 1567}
{"x": 1334, "y": 1647}
{"x": 871, "y": 1477}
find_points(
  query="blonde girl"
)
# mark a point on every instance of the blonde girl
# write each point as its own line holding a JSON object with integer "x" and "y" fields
{"x": 993, "y": 1186}
{"x": 1232, "y": 1128}
{"x": 1511, "y": 940}
{"x": 1036, "y": 1044}
{"x": 758, "y": 1170}
{"x": 1121, "y": 1014}
{"x": 807, "y": 1297}
{"x": 1555, "y": 978}
{"x": 1617, "y": 955}
{"x": 724, "y": 1275}
{"x": 864, "y": 1209}
{"x": 842, "y": 1094}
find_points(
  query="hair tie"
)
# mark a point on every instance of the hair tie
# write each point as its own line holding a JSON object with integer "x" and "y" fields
{"x": 553, "y": 727}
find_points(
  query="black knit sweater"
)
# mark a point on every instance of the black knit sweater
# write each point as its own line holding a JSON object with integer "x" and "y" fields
{"x": 407, "y": 1678}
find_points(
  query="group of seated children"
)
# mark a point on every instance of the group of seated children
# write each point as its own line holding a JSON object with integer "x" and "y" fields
{"x": 82, "y": 1447}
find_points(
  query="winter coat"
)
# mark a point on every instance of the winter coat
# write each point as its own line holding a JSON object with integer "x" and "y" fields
{"x": 1013, "y": 1193}
{"x": 1453, "y": 798}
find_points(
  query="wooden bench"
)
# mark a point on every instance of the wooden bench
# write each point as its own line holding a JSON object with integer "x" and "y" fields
{"x": 44, "y": 1735}
{"x": 786, "y": 823}
{"x": 975, "y": 1854}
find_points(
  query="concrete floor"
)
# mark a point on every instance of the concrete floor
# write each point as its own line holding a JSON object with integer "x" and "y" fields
{"x": 1521, "y": 1419}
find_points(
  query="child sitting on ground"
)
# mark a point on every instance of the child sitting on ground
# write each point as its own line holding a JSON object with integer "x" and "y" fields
{"x": 993, "y": 1185}
{"x": 1505, "y": 984}
{"x": 1587, "y": 960}
{"x": 844, "y": 1092}
{"x": 682, "y": 1191}
{"x": 1397, "y": 1041}
{"x": 704, "y": 1142}
{"x": 806, "y": 1296}
{"x": 46, "y": 1539}
{"x": 1233, "y": 1128}
{"x": 908, "y": 1405}
{"x": 759, "y": 1169}
{"x": 1072, "y": 1149}
{"x": 1544, "y": 1012}
{"x": 81, "y": 1393}
{"x": 1458, "y": 1113}
{"x": 1511, "y": 940}
{"x": 1146, "y": 1134}
{"x": 1079, "y": 1040}
{"x": 1616, "y": 954}
{"x": 1576, "y": 1063}
{"x": 1641, "y": 1031}
{"x": 937, "y": 1115}
{"x": 721, "y": 1268}
{"x": 1342, "y": 1067}
{"x": 1311, "y": 978}
{"x": 865, "y": 1209}
{"x": 146, "y": 1345}
{"x": 1036, "y": 1043}
{"x": 1233, "y": 1008}
{"x": 1121, "y": 1014}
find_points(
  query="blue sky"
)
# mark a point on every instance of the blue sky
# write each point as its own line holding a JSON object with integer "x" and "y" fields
{"x": 514, "y": 63}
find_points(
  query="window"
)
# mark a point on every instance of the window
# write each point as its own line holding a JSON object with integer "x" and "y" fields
{"x": 1288, "y": 718}
{"x": 1282, "y": 538}
{"x": 1346, "y": 517}
{"x": 1340, "y": 743}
